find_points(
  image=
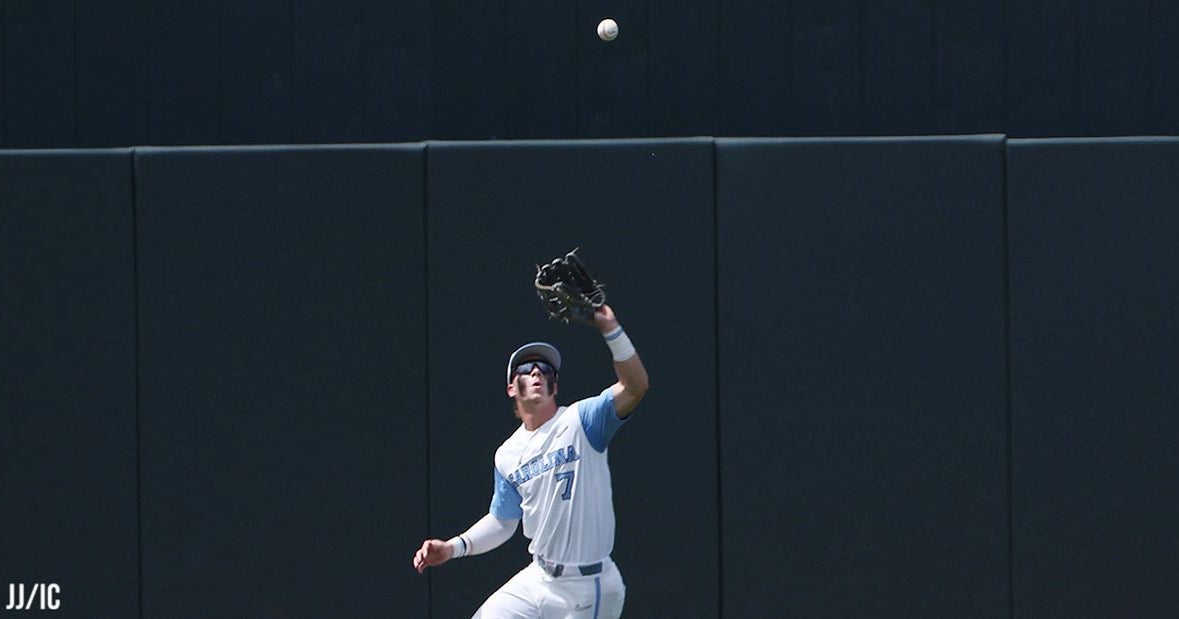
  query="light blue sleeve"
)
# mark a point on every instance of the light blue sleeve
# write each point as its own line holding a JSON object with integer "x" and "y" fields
{"x": 600, "y": 419}
{"x": 505, "y": 501}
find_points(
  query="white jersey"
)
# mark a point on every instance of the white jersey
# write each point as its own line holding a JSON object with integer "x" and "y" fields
{"x": 556, "y": 478}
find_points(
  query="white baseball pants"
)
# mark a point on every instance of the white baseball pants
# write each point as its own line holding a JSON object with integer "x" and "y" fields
{"x": 533, "y": 594}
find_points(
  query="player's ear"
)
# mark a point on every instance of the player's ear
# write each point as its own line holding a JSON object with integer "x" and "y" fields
{"x": 512, "y": 389}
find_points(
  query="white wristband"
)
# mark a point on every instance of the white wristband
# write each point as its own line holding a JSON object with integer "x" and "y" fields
{"x": 459, "y": 545}
{"x": 619, "y": 344}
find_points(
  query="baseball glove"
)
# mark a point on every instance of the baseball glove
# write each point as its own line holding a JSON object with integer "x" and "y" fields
{"x": 567, "y": 290}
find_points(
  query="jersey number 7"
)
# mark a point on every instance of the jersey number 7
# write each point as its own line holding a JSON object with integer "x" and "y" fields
{"x": 566, "y": 477}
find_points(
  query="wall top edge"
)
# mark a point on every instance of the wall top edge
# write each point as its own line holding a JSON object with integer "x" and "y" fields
{"x": 1122, "y": 139}
{"x": 980, "y": 137}
{"x": 281, "y": 148}
{"x": 548, "y": 142}
{"x": 61, "y": 152}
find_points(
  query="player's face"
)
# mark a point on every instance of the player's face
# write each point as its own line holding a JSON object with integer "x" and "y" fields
{"x": 534, "y": 381}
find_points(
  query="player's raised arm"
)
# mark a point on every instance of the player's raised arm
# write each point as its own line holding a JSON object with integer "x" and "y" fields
{"x": 632, "y": 375}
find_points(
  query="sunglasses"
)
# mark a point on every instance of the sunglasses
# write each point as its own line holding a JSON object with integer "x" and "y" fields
{"x": 526, "y": 368}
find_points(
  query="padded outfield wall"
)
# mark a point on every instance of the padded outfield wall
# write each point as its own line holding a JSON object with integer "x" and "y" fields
{"x": 890, "y": 377}
{"x": 168, "y": 72}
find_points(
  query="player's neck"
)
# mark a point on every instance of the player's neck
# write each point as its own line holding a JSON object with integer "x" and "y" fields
{"x": 536, "y": 416}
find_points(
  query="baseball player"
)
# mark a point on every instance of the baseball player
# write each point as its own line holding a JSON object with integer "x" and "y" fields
{"x": 552, "y": 473}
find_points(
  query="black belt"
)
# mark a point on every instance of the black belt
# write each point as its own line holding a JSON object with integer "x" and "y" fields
{"x": 557, "y": 569}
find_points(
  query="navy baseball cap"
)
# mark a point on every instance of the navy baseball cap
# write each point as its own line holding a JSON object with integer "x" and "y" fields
{"x": 534, "y": 350}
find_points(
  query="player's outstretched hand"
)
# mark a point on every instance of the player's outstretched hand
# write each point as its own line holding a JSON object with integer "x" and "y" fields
{"x": 433, "y": 552}
{"x": 604, "y": 319}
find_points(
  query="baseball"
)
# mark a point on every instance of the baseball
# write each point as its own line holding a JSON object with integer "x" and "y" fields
{"x": 607, "y": 29}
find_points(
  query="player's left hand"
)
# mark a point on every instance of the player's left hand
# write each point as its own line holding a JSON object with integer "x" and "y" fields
{"x": 433, "y": 552}
{"x": 605, "y": 320}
